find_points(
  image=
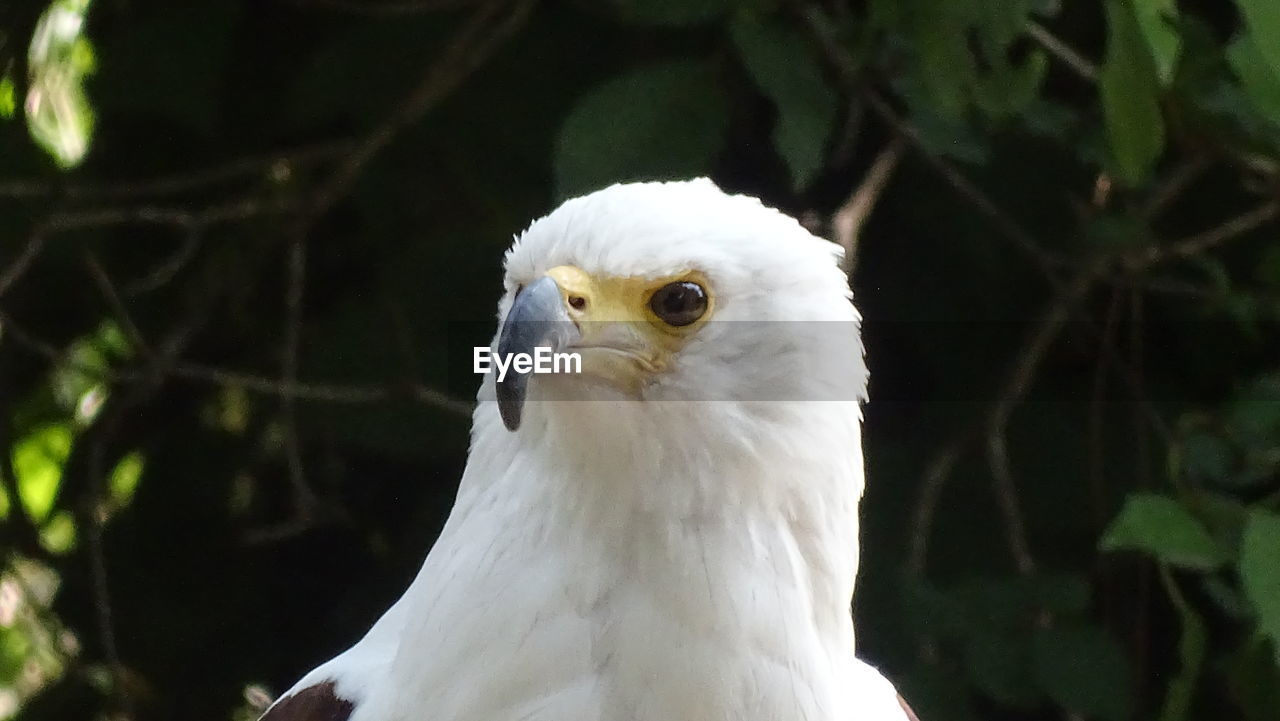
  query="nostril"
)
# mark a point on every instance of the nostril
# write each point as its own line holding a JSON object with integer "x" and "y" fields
{"x": 577, "y": 302}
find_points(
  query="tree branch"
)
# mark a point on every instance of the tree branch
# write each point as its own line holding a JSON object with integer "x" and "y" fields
{"x": 176, "y": 183}
{"x": 848, "y": 221}
{"x": 1209, "y": 239}
{"x": 483, "y": 33}
{"x": 1082, "y": 66}
{"x": 382, "y": 8}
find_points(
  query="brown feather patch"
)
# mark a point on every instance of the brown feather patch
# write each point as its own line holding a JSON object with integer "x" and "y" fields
{"x": 911, "y": 715}
{"x": 313, "y": 703}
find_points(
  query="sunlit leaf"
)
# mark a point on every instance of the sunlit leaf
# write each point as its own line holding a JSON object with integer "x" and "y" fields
{"x": 38, "y": 459}
{"x": 786, "y": 68}
{"x": 660, "y": 121}
{"x": 1260, "y": 571}
{"x": 34, "y": 648}
{"x": 1130, "y": 103}
{"x": 1161, "y": 527}
{"x": 78, "y": 377}
{"x": 8, "y": 96}
{"x": 58, "y": 112}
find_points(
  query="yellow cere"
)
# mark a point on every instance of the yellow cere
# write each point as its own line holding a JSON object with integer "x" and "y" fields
{"x": 614, "y": 298}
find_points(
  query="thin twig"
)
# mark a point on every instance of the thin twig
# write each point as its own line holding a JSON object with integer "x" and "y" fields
{"x": 1006, "y": 491}
{"x": 848, "y": 221}
{"x": 1172, "y": 186}
{"x": 305, "y": 500}
{"x": 19, "y": 265}
{"x": 175, "y": 183}
{"x": 1097, "y": 418}
{"x": 850, "y": 75}
{"x": 926, "y": 505}
{"x": 993, "y": 430}
{"x": 166, "y": 270}
{"x": 1209, "y": 239}
{"x": 91, "y": 521}
{"x": 485, "y": 31}
{"x": 1010, "y": 228}
{"x": 321, "y": 392}
{"x": 1078, "y": 63}
{"x": 1015, "y": 389}
{"x": 382, "y": 8}
{"x": 187, "y": 219}
{"x": 235, "y": 210}
{"x": 352, "y": 394}
{"x": 108, "y": 288}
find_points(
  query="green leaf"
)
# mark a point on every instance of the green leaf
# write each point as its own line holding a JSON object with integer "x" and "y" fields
{"x": 8, "y": 97}
{"x": 37, "y": 462}
{"x": 59, "y": 116}
{"x": 1157, "y": 18}
{"x": 1164, "y": 529}
{"x": 59, "y": 532}
{"x": 1262, "y": 17}
{"x": 1000, "y": 23}
{"x": 660, "y": 121}
{"x": 124, "y": 478}
{"x": 786, "y": 68}
{"x": 1191, "y": 649}
{"x": 946, "y": 68}
{"x": 1082, "y": 669}
{"x": 672, "y": 12}
{"x": 1130, "y": 104}
{"x": 1260, "y": 82}
{"x": 1260, "y": 571}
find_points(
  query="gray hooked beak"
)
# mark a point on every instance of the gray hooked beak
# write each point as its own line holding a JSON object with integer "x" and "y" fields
{"x": 537, "y": 318}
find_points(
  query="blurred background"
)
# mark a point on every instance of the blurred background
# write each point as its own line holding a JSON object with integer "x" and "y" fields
{"x": 245, "y": 248}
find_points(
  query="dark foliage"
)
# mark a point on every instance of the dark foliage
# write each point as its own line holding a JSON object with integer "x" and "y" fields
{"x": 246, "y": 247}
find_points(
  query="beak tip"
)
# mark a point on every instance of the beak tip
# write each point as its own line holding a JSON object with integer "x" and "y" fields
{"x": 510, "y": 416}
{"x": 511, "y": 402}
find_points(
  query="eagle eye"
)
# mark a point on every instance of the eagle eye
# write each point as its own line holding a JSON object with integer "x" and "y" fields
{"x": 680, "y": 303}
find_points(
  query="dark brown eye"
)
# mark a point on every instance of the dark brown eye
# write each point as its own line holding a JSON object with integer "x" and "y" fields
{"x": 679, "y": 304}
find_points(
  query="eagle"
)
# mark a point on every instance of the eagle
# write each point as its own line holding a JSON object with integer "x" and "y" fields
{"x": 665, "y": 530}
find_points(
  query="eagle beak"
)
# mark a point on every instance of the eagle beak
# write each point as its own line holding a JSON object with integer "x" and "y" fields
{"x": 538, "y": 318}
